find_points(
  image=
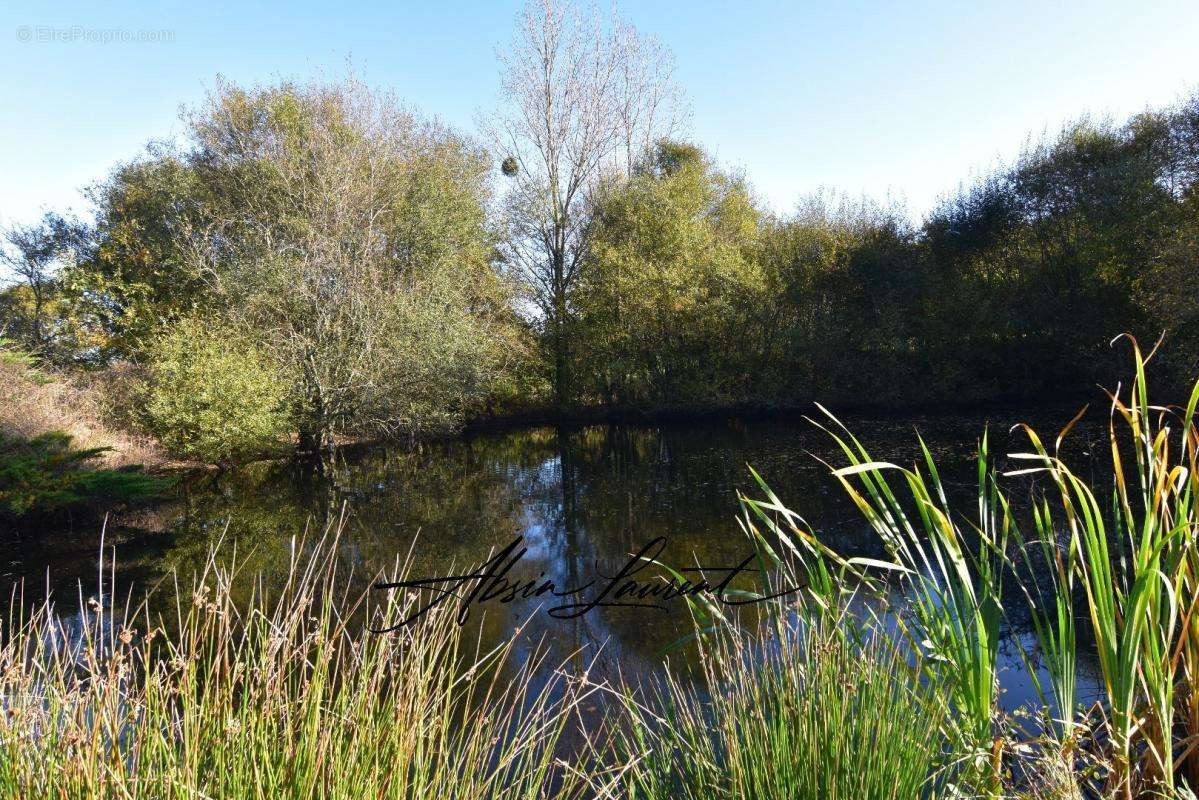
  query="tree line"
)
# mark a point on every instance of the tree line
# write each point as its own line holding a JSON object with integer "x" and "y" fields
{"x": 314, "y": 260}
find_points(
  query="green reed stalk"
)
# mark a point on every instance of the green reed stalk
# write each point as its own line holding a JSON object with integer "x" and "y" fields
{"x": 954, "y": 598}
{"x": 817, "y": 714}
{"x": 1136, "y": 560}
{"x": 1136, "y": 563}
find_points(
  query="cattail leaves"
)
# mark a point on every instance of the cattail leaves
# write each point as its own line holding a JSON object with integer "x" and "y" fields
{"x": 1134, "y": 561}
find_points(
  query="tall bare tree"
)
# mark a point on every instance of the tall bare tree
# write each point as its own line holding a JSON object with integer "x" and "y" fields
{"x": 582, "y": 101}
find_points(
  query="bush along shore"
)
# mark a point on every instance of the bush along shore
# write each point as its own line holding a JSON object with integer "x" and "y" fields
{"x": 253, "y": 690}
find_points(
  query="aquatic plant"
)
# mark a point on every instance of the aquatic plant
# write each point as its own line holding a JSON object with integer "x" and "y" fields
{"x": 1132, "y": 561}
{"x": 830, "y": 710}
{"x": 278, "y": 696}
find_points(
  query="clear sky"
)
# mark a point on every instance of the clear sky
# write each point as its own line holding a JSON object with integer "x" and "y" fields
{"x": 900, "y": 99}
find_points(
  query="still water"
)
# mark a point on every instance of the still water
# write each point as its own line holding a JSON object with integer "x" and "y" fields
{"x": 583, "y": 499}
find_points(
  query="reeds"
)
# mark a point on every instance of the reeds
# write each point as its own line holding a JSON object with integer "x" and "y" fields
{"x": 1136, "y": 556}
{"x": 1131, "y": 559}
{"x": 830, "y": 710}
{"x": 283, "y": 695}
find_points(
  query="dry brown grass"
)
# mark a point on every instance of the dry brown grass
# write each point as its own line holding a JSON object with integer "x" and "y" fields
{"x": 36, "y": 401}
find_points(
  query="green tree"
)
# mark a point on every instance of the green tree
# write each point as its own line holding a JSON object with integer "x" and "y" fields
{"x": 813, "y": 319}
{"x": 670, "y": 280}
{"x": 137, "y": 272}
{"x": 32, "y": 307}
{"x": 1084, "y": 237}
{"x": 342, "y": 236}
{"x": 352, "y": 239}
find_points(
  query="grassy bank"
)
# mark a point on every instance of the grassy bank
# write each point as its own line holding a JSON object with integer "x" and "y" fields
{"x": 36, "y": 401}
{"x": 60, "y": 449}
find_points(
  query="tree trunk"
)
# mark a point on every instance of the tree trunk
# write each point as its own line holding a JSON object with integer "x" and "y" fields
{"x": 561, "y": 353}
{"x": 561, "y": 370}
{"x": 310, "y": 442}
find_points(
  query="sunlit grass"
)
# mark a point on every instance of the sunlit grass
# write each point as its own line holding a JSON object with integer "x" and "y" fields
{"x": 281, "y": 696}
{"x": 830, "y": 710}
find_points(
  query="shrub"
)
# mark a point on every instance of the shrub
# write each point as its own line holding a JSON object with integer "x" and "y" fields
{"x": 213, "y": 395}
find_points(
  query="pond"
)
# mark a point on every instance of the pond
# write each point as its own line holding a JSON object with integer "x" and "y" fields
{"x": 583, "y": 499}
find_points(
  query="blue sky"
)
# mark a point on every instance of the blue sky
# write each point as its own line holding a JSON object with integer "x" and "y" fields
{"x": 900, "y": 99}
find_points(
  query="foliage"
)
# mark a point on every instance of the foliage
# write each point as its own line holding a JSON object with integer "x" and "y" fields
{"x": 136, "y": 273}
{"x": 342, "y": 236}
{"x": 826, "y": 713}
{"x": 837, "y": 313}
{"x": 354, "y": 250}
{"x": 669, "y": 281}
{"x": 842, "y": 301}
{"x": 35, "y": 310}
{"x": 585, "y": 98}
{"x": 361, "y": 249}
{"x": 212, "y": 394}
{"x": 47, "y": 475}
{"x": 18, "y": 358}
{"x": 1091, "y": 221}
{"x": 38, "y": 397}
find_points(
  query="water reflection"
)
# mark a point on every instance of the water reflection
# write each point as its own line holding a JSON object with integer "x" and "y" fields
{"x": 582, "y": 498}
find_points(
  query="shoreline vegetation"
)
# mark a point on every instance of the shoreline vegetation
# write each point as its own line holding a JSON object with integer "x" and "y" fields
{"x": 60, "y": 452}
{"x": 61, "y": 416}
{"x": 313, "y": 263}
{"x": 845, "y": 691}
